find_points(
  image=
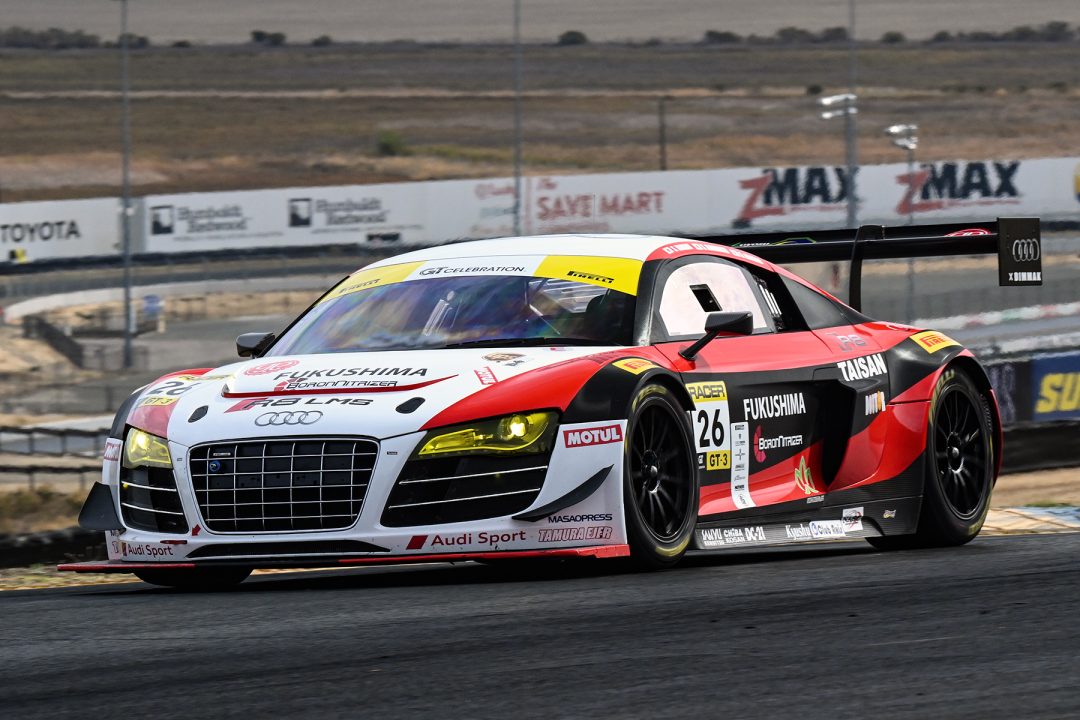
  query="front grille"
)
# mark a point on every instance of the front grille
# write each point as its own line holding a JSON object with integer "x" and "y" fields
{"x": 149, "y": 500}
{"x": 447, "y": 490}
{"x": 282, "y": 485}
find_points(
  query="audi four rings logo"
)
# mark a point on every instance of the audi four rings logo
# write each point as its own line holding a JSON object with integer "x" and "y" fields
{"x": 1026, "y": 250}
{"x": 288, "y": 418}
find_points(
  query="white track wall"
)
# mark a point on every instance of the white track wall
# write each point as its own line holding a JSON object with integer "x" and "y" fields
{"x": 683, "y": 201}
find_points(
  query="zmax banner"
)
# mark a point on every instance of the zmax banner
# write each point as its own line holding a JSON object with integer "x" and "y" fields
{"x": 719, "y": 201}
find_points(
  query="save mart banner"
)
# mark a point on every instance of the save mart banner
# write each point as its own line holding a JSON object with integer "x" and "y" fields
{"x": 425, "y": 213}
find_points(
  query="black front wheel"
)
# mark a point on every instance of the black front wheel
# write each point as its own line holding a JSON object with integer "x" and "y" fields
{"x": 660, "y": 486}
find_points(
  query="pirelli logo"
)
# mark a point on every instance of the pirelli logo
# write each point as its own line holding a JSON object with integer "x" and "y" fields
{"x": 708, "y": 391}
{"x": 590, "y": 276}
{"x": 931, "y": 341}
{"x": 634, "y": 365}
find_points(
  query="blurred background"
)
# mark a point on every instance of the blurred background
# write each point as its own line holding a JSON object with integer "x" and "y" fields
{"x": 213, "y": 167}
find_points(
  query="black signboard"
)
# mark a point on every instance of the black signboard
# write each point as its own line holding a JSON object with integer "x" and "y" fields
{"x": 1019, "y": 252}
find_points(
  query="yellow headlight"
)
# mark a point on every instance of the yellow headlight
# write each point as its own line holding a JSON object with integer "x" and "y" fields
{"x": 141, "y": 449}
{"x": 519, "y": 433}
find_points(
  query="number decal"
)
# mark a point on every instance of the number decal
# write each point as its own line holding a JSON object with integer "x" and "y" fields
{"x": 710, "y": 419}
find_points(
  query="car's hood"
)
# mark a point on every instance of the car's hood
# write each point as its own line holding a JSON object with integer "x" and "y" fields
{"x": 376, "y": 394}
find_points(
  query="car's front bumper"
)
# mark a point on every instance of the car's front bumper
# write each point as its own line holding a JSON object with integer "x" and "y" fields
{"x": 578, "y": 524}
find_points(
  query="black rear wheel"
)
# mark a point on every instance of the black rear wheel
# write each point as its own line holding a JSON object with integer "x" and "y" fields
{"x": 660, "y": 486}
{"x": 195, "y": 578}
{"x": 960, "y": 467}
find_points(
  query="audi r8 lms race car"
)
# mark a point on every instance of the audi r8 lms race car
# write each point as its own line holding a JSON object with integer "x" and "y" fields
{"x": 564, "y": 396}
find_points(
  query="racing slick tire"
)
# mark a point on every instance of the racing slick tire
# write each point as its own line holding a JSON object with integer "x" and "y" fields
{"x": 959, "y": 467}
{"x": 196, "y": 579}
{"x": 660, "y": 485}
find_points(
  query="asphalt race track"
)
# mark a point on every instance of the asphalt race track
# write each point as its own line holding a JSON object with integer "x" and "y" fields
{"x": 985, "y": 631}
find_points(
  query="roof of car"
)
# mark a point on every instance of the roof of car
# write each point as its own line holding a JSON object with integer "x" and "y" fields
{"x": 632, "y": 247}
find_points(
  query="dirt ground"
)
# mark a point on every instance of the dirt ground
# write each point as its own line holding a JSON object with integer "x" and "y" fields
{"x": 236, "y": 117}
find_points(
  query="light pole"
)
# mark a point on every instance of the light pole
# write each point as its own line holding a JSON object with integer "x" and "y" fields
{"x": 517, "y": 117}
{"x": 847, "y": 107}
{"x": 850, "y": 131}
{"x": 661, "y": 112}
{"x": 849, "y": 112}
{"x": 904, "y": 136}
{"x": 125, "y": 82}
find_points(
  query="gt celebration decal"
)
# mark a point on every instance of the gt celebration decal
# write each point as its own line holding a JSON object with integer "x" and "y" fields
{"x": 620, "y": 274}
{"x": 932, "y": 341}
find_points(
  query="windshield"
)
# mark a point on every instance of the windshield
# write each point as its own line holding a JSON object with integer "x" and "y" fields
{"x": 464, "y": 311}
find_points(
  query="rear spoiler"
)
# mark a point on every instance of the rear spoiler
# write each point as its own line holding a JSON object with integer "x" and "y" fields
{"x": 1016, "y": 241}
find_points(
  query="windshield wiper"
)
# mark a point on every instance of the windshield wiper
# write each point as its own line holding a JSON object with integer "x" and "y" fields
{"x": 527, "y": 342}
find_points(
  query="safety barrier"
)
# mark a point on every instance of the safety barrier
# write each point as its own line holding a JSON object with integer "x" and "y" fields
{"x": 51, "y": 441}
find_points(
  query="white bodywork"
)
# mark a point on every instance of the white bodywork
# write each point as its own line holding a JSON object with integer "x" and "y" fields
{"x": 373, "y": 386}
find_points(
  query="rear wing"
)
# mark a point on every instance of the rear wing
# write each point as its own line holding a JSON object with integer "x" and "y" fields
{"x": 1016, "y": 241}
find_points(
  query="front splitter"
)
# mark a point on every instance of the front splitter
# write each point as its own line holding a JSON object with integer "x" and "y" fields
{"x": 119, "y": 566}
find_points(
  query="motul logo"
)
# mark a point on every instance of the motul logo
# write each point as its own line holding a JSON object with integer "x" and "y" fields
{"x": 592, "y": 436}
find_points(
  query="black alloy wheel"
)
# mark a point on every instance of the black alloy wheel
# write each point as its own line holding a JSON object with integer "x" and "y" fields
{"x": 961, "y": 451}
{"x": 658, "y": 472}
{"x": 661, "y": 495}
{"x": 960, "y": 467}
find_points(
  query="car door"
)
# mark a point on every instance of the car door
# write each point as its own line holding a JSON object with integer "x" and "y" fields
{"x": 759, "y": 400}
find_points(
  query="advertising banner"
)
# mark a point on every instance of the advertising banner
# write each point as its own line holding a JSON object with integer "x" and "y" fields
{"x": 722, "y": 201}
{"x": 1055, "y": 387}
{"x": 46, "y": 230}
{"x": 284, "y": 217}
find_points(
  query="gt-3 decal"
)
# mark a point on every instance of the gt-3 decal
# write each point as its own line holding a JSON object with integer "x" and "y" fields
{"x": 711, "y": 419}
{"x": 157, "y": 401}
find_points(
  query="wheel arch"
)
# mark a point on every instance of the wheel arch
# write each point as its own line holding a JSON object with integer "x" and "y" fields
{"x": 609, "y": 393}
{"x": 978, "y": 375}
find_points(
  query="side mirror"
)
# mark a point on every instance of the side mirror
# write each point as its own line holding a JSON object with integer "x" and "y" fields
{"x": 737, "y": 323}
{"x": 253, "y": 344}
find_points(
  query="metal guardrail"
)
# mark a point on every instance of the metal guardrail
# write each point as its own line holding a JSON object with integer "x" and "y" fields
{"x": 51, "y": 441}
{"x": 31, "y": 473}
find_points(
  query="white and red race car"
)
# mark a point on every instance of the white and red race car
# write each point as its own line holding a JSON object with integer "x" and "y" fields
{"x": 550, "y": 396}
